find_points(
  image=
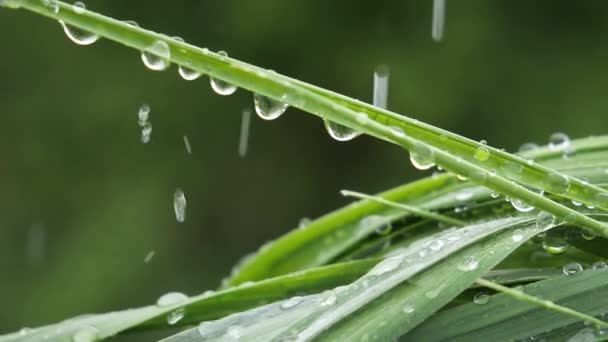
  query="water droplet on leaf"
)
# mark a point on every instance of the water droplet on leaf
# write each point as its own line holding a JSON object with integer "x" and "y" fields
{"x": 572, "y": 268}
{"x": 469, "y": 264}
{"x": 219, "y": 86}
{"x": 77, "y": 35}
{"x": 422, "y": 157}
{"x": 157, "y": 56}
{"x": 481, "y": 298}
{"x": 171, "y": 298}
{"x": 175, "y": 316}
{"x": 340, "y": 132}
{"x": 267, "y": 108}
{"x": 558, "y": 141}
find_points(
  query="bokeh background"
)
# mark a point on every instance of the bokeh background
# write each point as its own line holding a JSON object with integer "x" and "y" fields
{"x": 83, "y": 201}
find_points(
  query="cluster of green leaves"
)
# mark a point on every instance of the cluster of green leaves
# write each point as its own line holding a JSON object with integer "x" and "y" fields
{"x": 404, "y": 263}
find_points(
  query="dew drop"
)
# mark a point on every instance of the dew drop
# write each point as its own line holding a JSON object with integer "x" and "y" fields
{"x": 482, "y": 153}
{"x": 436, "y": 245}
{"x": 576, "y": 203}
{"x": 397, "y": 131}
{"x": 588, "y": 235}
{"x": 157, "y": 56}
{"x": 572, "y": 268}
{"x": 544, "y": 221}
{"x": 327, "y": 298}
{"x": 521, "y": 206}
{"x": 77, "y": 35}
{"x": 170, "y": 299}
{"x": 558, "y": 141}
{"x": 422, "y": 157}
{"x": 528, "y": 147}
{"x": 131, "y": 23}
{"x": 340, "y": 132}
{"x": 185, "y": 72}
{"x": 556, "y": 183}
{"x": 175, "y": 316}
{"x": 481, "y": 298}
{"x": 179, "y": 205}
{"x": 79, "y": 7}
{"x": 469, "y": 264}
{"x": 51, "y": 4}
{"x": 385, "y": 266}
{"x": 518, "y": 235}
{"x": 267, "y": 108}
{"x": 219, "y": 86}
{"x": 291, "y": 302}
{"x": 598, "y": 265}
{"x": 433, "y": 293}
{"x": 86, "y": 334}
{"x": 555, "y": 245}
{"x": 479, "y": 177}
{"x": 408, "y": 308}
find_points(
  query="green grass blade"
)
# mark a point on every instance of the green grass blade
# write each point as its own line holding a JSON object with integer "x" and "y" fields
{"x": 453, "y": 152}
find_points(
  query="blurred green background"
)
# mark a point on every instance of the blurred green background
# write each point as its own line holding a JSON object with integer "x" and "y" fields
{"x": 83, "y": 201}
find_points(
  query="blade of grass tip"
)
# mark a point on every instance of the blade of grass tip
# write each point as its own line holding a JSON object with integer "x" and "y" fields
{"x": 547, "y": 304}
{"x": 451, "y": 151}
{"x": 408, "y": 208}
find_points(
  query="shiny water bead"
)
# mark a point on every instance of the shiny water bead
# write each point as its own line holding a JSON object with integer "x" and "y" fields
{"x": 51, "y": 4}
{"x": 518, "y": 235}
{"x": 479, "y": 177}
{"x": 599, "y": 265}
{"x": 588, "y": 234}
{"x": 291, "y": 303}
{"x": 527, "y": 147}
{"x": 179, "y": 205}
{"x": 131, "y": 23}
{"x": 171, "y": 298}
{"x": 422, "y": 157}
{"x": 481, "y": 298}
{"x": 397, "y": 131}
{"x": 176, "y": 315}
{"x": 79, "y": 7}
{"x": 494, "y": 194}
{"x": 340, "y": 132}
{"x": 556, "y": 183}
{"x": 219, "y": 86}
{"x": 157, "y": 56}
{"x": 86, "y": 334}
{"x": 77, "y": 35}
{"x": 544, "y": 221}
{"x": 482, "y": 153}
{"x": 559, "y": 141}
{"x": 385, "y": 266}
{"x": 521, "y": 206}
{"x": 185, "y": 72}
{"x": 572, "y": 268}
{"x": 267, "y": 108}
{"x": 468, "y": 264}
{"x": 327, "y": 298}
{"x": 408, "y": 308}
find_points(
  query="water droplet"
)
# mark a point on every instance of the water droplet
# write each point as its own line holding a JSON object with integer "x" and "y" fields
{"x": 385, "y": 266}
{"x": 569, "y": 152}
{"x": 86, "y": 334}
{"x": 171, "y": 298}
{"x": 146, "y": 132}
{"x": 234, "y": 333}
{"x": 598, "y": 265}
{"x": 244, "y": 136}
{"x": 555, "y": 244}
{"x": 518, "y": 235}
{"x": 397, "y": 131}
{"x": 494, "y": 194}
{"x": 175, "y": 316}
{"x": 521, "y": 206}
{"x": 291, "y": 302}
{"x": 381, "y": 76}
{"x": 482, "y": 154}
{"x": 79, "y": 7}
{"x": 179, "y": 205}
{"x": 572, "y": 268}
{"x": 149, "y": 257}
{"x": 52, "y": 5}
{"x": 304, "y": 221}
{"x": 433, "y": 293}
{"x": 219, "y": 86}
{"x": 558, "y": 141}
{"x": 556, "y": 183}
{"x": 460, "y": 177}
{"x": 438, "y": 19}
{"x": 77, "y": 35}
{"x": 185, "y": 72}
{"x": 576, "y": 203}
{"x": 528, "y": 147}
{"x": 144, "y": 114}
{"x": 384, "y": 229}
{"x": 544, "y": 221}
{"x": 340, "y": 132}
{"x": 422, "y": 157}
{"x": 327, "y": 298}
{"x": 131, "y": 23}
{"x": 24, "y": 331}
{"x": 267, "y": 108}
{"x": 157, "y": 56}
{"x": 481, "y": 298}
{"x": 187, "y": 144}
{"x": 469, "y": 264}
{"x": 587, "y": 234}
{"x": 436, "y": 245}
{"x": 408, "y": 308}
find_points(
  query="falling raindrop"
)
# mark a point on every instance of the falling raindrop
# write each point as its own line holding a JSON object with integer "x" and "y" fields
{"x": 438, "y": 19}
{"x": 559, "y": 141}
{"x": 219, "y": 86}
{"x": 170, "y": 299}
{"x": 187, "y": 144}
{"x": 179, "y": 205}
{"x": 149, "y": 257}
{"x": 86, "y": 334}
{"x": 144, "y": 114}
{"x": 146, "y": 131}
{"x": 340, "y": 132}
{"x": 327, "y": 298}
{"x": 157, "y": 56}
{"x": 244, "y": 137}
{"x": 291, "y": 302}
{"x": 175, "y": 316}
{"x": 267, "y": 108}
{"x": 556, "y": 183}
{"x": 422, "y": 157}
{"x": 572, "y": 268}
{"x": 468, "y": 264}
{"x": 481, "y": 298}
{"x": 482, "y": 154}
{"x": 381, "y": 76}
{"x": 77, "y": 35}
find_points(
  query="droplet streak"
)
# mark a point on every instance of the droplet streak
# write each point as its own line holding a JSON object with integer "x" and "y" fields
{"x": 179, "y": 205}
{"x": 381, "y": 77}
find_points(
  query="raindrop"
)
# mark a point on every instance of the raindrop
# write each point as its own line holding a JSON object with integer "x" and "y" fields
{"x": 77, "y": 35}
{"x": 528, "y": 147}
{"x": 175, "y": 316}
{"x": 572, "y": 268}
{"x": 267, "y": 108}
{"x": 469, "y": 264}
{"x": 598, "y": 265}
{"x": 143, "y": 114}
{"x": 304, "y": 221}
{"x": 187, "y": 144}
{"x": 518, "y": 235}
{"x": 521, "y": 206}
{"x": 291, "y": 302}
{"x": 179, "y": 205}
{"x": 482, "y": 153}
{"x": 544, "y": 221}
{"x": 244, "y": 137}
{"x": 340, "y": 132}
{"x": 555, "y": 244}
{"x": 171, "y": 298}
{"x": 381, "y": 76}
{"x": 436, "y": 245}
{"x": 481, "y": 298}
{"x": 185, "y": 72}
{"x": 438, "y": 19}
{"x": 433, "y": 293}
{"x": 460, "y": 177}
{"x": 327, "y": 298}
{"x": 587, "y": 234}
{"x": 79, "y": 7}
{"x": 86, "y": 334}
{"x": 408, "y": 308}
{"x": 24, "y": 331}
{"x": 157, "y": 56}
{"x": 51, "y": 4}
{"x": 569, "y": 152}
{"x": 385, "y": 266}
{"x": 384, "y": 229}
{"x": 556, "y": 183}
{"x": 576, "y": 203}
{"x": 131, "y": 23}
{"x": 146, "y": 131}
{"x": 149, "y": 256}
{"x": 494, "y": 194}
{"x": 422, "y": 157}
{"x": 219, "y": 86}
{"x": 559, "y": 141}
